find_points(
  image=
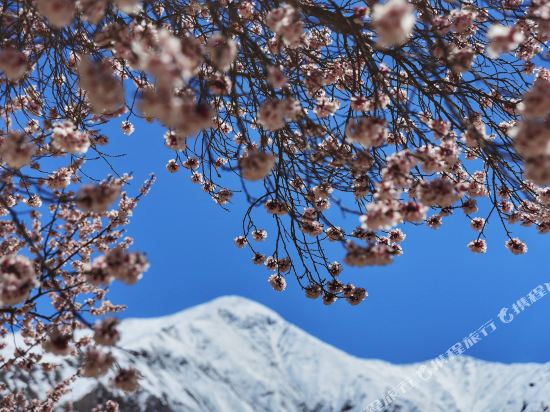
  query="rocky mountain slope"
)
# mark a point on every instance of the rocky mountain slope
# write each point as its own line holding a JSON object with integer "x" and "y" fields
{"x": 235, "y": 355}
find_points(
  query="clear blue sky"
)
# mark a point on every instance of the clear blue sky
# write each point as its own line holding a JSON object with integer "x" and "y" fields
{"x": 431, "y": 297}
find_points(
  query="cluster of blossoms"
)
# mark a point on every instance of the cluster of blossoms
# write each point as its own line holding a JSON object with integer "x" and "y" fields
{"x": 98, "y": 197}
{"x": 18, "y": 278}
{"x": 368, "y": 131}
{"x": 104, "y": 91}
{"x": 66, "y": 137}
{"x": 17, "y": 149}
{"x": 60, "y": 13}
{"x": 255, "y": 165}
{"x": 221, "y": 51}
{"x": 532, "y": 135}
{"x": 396, "y": 113}
{"x": 503, "y": 39}
{"x": 13, "y": 63}
{"x": 51, "y": 255}
{"x": 23, "y": 281}
{"x": 274, "y": 114}
{"x": 393, "y": 22}
{"x": 118, "y": 264}
{"x": 170, "y": 60}
{"x": 285, "y": 21}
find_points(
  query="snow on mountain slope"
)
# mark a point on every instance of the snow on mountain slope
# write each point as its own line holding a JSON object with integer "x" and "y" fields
{"x": 235, "y": 355}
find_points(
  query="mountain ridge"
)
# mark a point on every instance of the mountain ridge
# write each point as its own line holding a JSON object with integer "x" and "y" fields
{"x": 233, "y": 354}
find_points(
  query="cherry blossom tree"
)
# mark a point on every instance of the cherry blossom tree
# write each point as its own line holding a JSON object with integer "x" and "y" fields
{"x": 388, "y": 114}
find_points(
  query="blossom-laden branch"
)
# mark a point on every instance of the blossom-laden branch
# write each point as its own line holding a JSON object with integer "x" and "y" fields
{"x": 390, "y": 112}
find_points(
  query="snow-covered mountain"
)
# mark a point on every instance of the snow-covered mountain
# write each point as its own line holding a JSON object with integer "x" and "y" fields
{"x": 235, "y": 355}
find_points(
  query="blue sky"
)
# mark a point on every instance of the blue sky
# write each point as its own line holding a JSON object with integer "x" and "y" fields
{"x": 431, "y": 297}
